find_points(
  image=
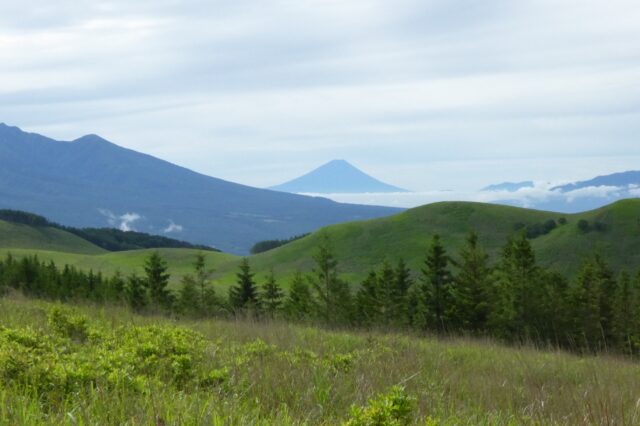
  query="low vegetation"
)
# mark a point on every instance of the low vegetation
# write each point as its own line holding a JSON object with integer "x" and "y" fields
{"x": 106, "y": 365}
{"x": 513, "y": 299}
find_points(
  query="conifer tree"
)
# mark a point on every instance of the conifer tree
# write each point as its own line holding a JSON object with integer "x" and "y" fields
{"x": 517, "y": 292}
{"x": 399, "y": 297}
{"x": 188, "y": 297}
{"x": 157, "y": 280}
{"x": 271, "y": 296}
{"x": 244, "y": 295}
{"x": 208, "y": 300}
{"x": 115, "y": 287}
{"x": 368, "y": 301}
{"x": 333, "y": 296}
{"x": 608, "y": 284}
{"x": 386, "y": 293}
{"x": 625, "y": 320}
{"x": 436, "y": 287}
{"x": 298, "y": 303}
{"x": 136, "y": 293}
{"x": 585, "y": 303}
{"x": 471, "y": 286}
{"x": 556, "y": 315}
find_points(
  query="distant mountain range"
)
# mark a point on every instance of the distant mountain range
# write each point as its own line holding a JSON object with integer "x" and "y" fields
{"x": 509, "y": 186}
{"x": 620, "y": 180}
{"x": 573, "y": 197}
{"x": 91, "y": 182}
{"x": 336, "y": 177}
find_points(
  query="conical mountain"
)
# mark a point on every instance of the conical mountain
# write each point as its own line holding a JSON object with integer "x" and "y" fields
{"x": 336, "y": 177}
{"x": 91, "y": 182}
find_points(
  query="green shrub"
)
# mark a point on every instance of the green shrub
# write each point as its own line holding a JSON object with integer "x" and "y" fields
{"x": 67, "y": 324}
{"x": 391, "y": 409}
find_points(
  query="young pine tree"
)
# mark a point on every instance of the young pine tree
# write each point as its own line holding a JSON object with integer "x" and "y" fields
{"x": 586, "y": 315}
{"x": 608, "y": 286}
{"x": 208, "y": 302}
{"x": 299, "y": 302}
{"x": 386, "y": 293}
{"x": 135, "y": 293}
{"x": 517, "y": 294}
{"x": 271, "y": 296}
{"x": 188, "y": 297}
{"x": 244, "y": 295}
{"x": 333, "y": 296}
{"x": 436, "y": 286}
{"x": 471, "y": 286}
{"x": 368, "y": 302}
{"x": 625, "y": 320}
{"x": 157, "y": 280}
{"x": 399, "y": 295}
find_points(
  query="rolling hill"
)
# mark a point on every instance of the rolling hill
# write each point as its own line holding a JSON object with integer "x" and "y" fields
{"x": 91, "y": 182}
{"x": 614, "y": 232}
{"x": 19, "y": 236}
{"x": 361, "y": 245}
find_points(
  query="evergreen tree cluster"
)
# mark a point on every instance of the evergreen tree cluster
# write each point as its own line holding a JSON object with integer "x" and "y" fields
{"x": 513, "y": 298}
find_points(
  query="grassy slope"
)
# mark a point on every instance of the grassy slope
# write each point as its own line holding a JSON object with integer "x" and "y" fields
{"x": 13, "y": 235}
{"x": 303, "y": 375}
{"x": 361, "y": 245}
{"x": 180, "y": 261}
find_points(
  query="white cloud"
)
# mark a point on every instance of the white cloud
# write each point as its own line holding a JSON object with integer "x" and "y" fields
{"x": 123, "y": 222}
{"x": 227, "y": 87}
{"x": 127, "y": 220}
{"x": 540, "y": 194}
{"x": 172, "y": 227}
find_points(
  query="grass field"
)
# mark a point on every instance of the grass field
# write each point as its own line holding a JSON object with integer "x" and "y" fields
{"x": 180, "y": 261}
{"x": 13, "y": 235}
{"x": 108, "y": 366}
{"x": 362, "y": 245}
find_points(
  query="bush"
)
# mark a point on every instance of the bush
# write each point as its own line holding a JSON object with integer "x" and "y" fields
{"x": 392, "y": 409}
{"x": 583, "y": 226}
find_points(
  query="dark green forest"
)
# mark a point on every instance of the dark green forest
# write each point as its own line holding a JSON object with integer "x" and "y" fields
{"x": 512, "y": 299}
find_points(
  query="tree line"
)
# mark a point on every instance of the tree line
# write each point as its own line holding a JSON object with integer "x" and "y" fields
{"x": 512, "y": 298}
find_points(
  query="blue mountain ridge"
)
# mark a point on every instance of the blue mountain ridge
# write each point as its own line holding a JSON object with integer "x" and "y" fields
{"x": 508, "y": 186}
{"x": 93, "y": 182}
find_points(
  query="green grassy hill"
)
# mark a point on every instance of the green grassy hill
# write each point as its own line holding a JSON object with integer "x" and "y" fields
{"x": 14, "y": 235}
{"x": 360, "y": 246}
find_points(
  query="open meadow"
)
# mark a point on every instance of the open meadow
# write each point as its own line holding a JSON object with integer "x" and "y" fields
{"x": 82, "y": 365}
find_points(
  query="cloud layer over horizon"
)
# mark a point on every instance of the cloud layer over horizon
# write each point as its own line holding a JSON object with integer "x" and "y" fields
{"x": 426, "y": 95}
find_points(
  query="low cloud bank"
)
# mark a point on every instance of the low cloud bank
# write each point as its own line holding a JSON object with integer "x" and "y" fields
{"x": 539, "y": 196}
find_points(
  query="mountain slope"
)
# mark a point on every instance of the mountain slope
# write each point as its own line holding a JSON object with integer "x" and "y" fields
{"x": 18, "y": 236}
{"x": 91, "y": 182}
{"x": 360, "y": 246}
{"x": 336, "y": 177}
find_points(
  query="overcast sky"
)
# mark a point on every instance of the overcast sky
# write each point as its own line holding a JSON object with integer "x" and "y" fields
{"x": 424, "y": 94}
